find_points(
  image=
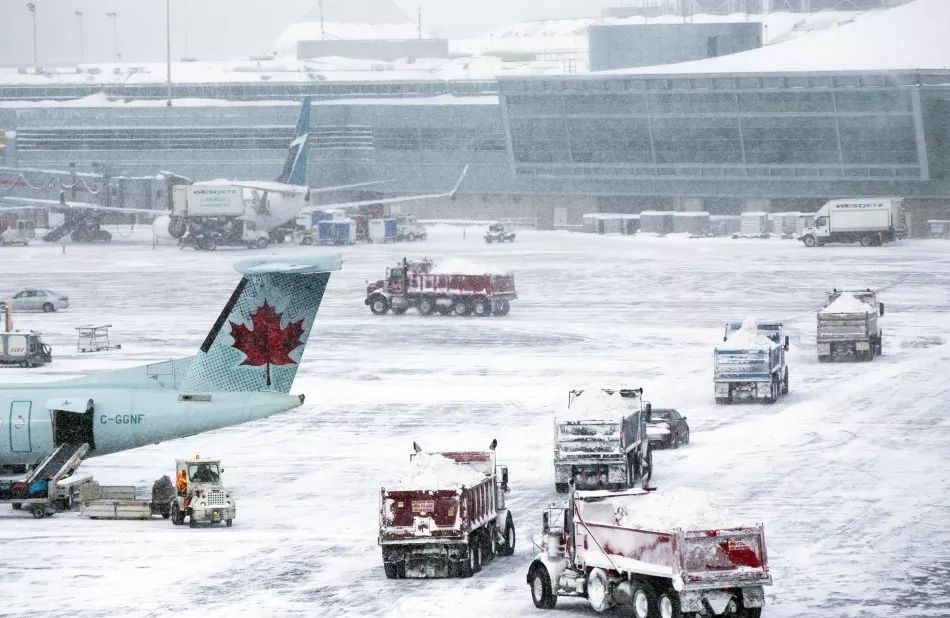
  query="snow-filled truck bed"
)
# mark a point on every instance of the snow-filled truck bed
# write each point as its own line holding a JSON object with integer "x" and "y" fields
{"x": 847, "y": 327}
{"x": 447, "y": 517}
{"x": 455, "y": 288}
{"x": 665, "y": 555}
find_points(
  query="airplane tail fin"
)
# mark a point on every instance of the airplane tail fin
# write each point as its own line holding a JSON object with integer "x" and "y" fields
{"x": 257, "y": 342}
{"x": 295, "y": 166}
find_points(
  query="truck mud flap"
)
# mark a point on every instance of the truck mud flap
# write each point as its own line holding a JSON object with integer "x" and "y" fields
{"x": 428, "y": 561}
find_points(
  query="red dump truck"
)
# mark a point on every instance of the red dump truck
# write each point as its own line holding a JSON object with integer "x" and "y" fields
{"x": 467, "y": 290}
{"x": 447, "y": 517}
{"x": 632, "y": 548}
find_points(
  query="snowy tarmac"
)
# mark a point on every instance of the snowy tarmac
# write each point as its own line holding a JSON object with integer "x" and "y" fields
{"x": 850, "y": 473}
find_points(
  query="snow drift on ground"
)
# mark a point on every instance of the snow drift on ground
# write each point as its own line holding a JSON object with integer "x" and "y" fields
{"x": 433, "y": 471}
{"x": 847, "y": 303}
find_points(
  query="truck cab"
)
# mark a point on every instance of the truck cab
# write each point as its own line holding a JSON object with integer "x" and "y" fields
{"x": 200, "y": 494}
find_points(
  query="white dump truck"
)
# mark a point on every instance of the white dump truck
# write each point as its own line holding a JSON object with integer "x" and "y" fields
{"x": 200, "y": 494}
{"x": 667, "y": 556}
{"x": 847, "y": 326}
{"x": 750, "y": 364}
{"x": 866, "y": 221}
{"x": 601, "y": 441}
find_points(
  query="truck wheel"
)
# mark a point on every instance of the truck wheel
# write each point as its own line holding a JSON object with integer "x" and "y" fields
{"x": 785, "y": 383}
{"x": 48, "y": 308}
{"x": 379, "y": 305}
{"x": 722, "y": 401}
{"x": 503, "y": 308}
{"x": 443, "y": 304}
{"x": 668, "y": 605}
{"x": 752, "y": 612}
{"x": 772, "y": 397}
{"x": 177, "y": 517}
{"x": 507, "y": 546}
{"x": 809, "y": 241}
{"x": 598, "y": 590}
{"x": 473, "y": 559}
{"x": 560, "y": 488}
{"x": 462, "y": 307}
{"x": 38, "y": 511}
{"x": 393, "y": 570}
{"x": 228, "y": 522}
{"x": 192, "y": 523}
{"x": 866, "y": 241}
{"x": 426, "y": 306}
{"x": 261, "y": 243}
{"x": 644, "y": 600}
{"x": 16, "y": 506}
{"x": 646, "y": 467}
{"x": 481, "y": 307}
{"x": 399, "y": 310}
{"x": 541, "y": 590}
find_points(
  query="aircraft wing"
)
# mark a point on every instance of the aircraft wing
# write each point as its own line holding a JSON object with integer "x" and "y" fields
{"x": 19, "y": 203}
{"x": 344, "y": 187}
{"x": 396, "y": 200}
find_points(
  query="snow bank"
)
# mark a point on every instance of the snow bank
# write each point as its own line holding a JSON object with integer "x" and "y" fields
{"x": 433, "y": 471}
{"x": 595, "y": 404}
{"x": 667, "y": 509}
{"x": 847, "y": 303}
{"x": 749, "y": 337}
{"x": 459, "y": 266}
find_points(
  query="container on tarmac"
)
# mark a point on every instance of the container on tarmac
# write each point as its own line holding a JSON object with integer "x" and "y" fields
{"x": 468, "y": 291}
{"x": 866, "y": 221}
{"x": 750, "y": 364}
{"x": 753, "y": 225}
{"x": 614, "y": 548}
{"x": 383, "y": 230}
{"x": 847, "y": 326}
{"x": 336, "y": 232}
{"x": 447, "y": 517}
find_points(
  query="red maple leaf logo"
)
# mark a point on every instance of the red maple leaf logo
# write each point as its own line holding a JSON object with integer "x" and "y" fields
{"x": 266, "y": 343}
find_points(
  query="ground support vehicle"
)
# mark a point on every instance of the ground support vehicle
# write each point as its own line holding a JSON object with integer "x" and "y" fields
{"x": 501, "y": 231}
{"x": 750, "y": 365}
{"x": 382, "y": 230}
{"x": 450, "y": 526}
{"x": 408, "y": 228}
{"x": 336, "y": 232}
{"x": 591, "y": 549}
{"x": 38, "y": 490}
{"x": 19, "y": 233}
{"x": 209, "y": 233}
{"x": 666, "y": 428}
{"x": 413, "y": 284}
{"x": 866, "y": 221}
{"x": 606, "y": 449}
{"x": 24, "y": 349}
{"x": 848, "y": 328}
{"x": 200, "y": 495}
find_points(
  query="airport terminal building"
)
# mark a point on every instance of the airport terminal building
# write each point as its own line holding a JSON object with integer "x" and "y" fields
{"x": 783, "y": 127}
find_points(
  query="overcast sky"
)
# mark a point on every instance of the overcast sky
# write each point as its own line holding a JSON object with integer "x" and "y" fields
{"x": 224, "y": 29}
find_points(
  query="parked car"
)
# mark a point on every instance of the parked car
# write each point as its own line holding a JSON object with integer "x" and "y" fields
{"x": 46, "y": 301}
{"x": 667, "y": 428}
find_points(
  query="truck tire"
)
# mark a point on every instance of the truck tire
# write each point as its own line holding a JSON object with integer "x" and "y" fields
{"x": 462, "y": 307}
{"x": 399, "y": 310}
{"x": 772, "y": 397}
{"x": 785, "y": 383}
{"x": 668, "y": 605}
{"x": 261, "y": 243}
{"x": 507, "y": 546}
{"x": 394, "y": 570}
{"x": 722, "y": 401}
{"x": 228, "y": 522}
{"x": 426, "y": 306}
{"x": 880, "y": 344}
{"x": 560, "y": 488}
{"x": 379, "y": 305}
{"x": 503, "y": 308}
{"x": 598, "y": 590}
{"x": 38, "y": 511}
{"x": 866, "y": 241}
{"x": 809, "y": 241}
{"x": 177, "y": 515}
{"x": 644, "y": 600}
{"x": 443, "y": 304}
{"x": 481, "y": 307}
{"x": 473, "y": 558}
{"x": 542, "y": 592}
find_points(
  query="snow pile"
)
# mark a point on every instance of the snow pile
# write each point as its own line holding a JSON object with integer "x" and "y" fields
{"x": 847, "y": 303}
{"x": 595, "y": 404}
{"x": 433, "y": 471}
{"x": 460, "y": 266}
{"x": 667, "y": 509}
{"x": 749, "y": 337}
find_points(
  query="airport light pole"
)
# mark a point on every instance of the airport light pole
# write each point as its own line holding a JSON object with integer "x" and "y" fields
{"x": 82, "y": 55}
{"x": 31, "y": 7}
{"x": 115, "y": 33}
{"x": 168, "y": 50}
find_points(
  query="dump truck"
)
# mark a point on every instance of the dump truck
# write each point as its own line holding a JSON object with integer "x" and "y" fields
{"x": 634, "y": 548}
{"x": 865, "y": 221}
{"x": 446, "y": 291}
{"x": 601, "y": 442}
{"x": 750, "y": 364}
{"x": 447, "y": 516}
{"x": 847, "y": 326}
{"x": 200, "y": 494}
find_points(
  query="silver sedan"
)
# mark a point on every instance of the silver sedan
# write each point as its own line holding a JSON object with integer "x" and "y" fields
{"x": 46, "y": 301}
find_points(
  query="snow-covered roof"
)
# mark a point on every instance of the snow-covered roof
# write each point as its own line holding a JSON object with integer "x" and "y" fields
{"x": 847, "y": 303}
{"x": 908, "y": 37}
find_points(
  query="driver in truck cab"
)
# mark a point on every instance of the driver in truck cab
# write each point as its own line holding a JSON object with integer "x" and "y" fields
{"x": 205, "y": 473}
